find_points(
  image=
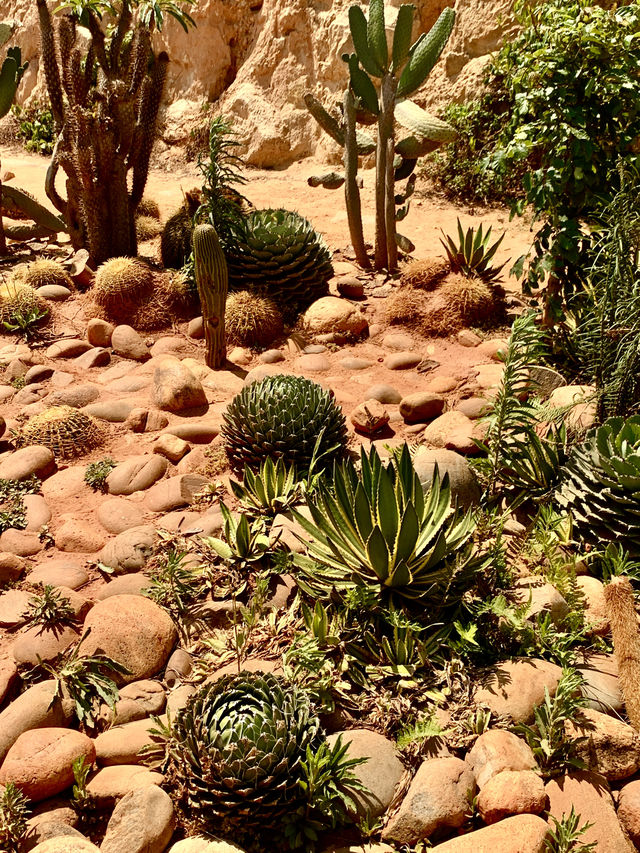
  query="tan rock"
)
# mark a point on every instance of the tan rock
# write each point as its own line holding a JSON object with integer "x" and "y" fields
{"x": 438, "y": 797}
{"x": 333, "y": 314}
{"x": 40, "y": 761}
{"x": 118, "y": 514}
{"x": 78, "y": 536}
{"x": 595, "y": 612}
{"x": 122, "y": 744}
{"x": 519, "y": 834}
{"x": 172, "y": 447}
{"x": 142, "y": 822}
{"x": 497, "y": 750}
{"x": 110, "y": 784}
{"x": 64, "y": 844}
{"x": 453, "y": 431}
{"x": 369, "y": 417}
{"x": 174, "y": 492}
{"x": 610, "y": 746}
{"x": 513, "y": 688}
{"x": 629, "y": 810}
{"x": 129, "y": 550}
{"x": 588, "y": 794}
{"x": 46, "y": 644}
{"x": 128, "y": 343}
{"x": 12, "y": 567}
{"x": 135, "y": 474}
{"x": 511, "y": 792}
{"x": 99, "y": 333}
{"x": 175, "y": 388}
{"x": 132, "y": 630}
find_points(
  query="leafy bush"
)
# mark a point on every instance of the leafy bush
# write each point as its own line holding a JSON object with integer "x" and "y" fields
{"x": 96, "y": 474}
{"x": 14, "y": 810}
{"x": 571, "y": 74}
{"x": 36, "y": 127}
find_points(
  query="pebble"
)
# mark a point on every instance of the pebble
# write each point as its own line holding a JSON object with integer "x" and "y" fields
{"x": 271, "y": 356}
{"x": 467, "y": 338}
{"x": 195, "y": 329}
{"x": 352, "y": 363}
{"x": 95, "y": 357}
{"x": 402, "y": 360}
{"x": 421, "y": 406}
{"x": 54, "y": 292}
{"x": 350, "y": 287}
{"x": 67, "y": 348}
{"x": 99, "y": 332}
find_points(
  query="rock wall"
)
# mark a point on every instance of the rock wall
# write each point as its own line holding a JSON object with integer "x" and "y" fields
{"x": 255, "y": 59}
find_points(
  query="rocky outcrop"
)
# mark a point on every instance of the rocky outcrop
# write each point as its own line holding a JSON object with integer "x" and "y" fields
{"x": 257, "y": 58}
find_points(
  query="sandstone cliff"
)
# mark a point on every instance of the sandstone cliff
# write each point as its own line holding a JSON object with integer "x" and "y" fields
{"x": 256, "y": 58}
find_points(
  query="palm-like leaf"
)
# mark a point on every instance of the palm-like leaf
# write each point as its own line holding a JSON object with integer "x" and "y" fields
{"x": 377, "y": 529}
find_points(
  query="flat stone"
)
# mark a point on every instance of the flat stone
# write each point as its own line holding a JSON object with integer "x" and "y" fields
{"x": 13, "y": 607}
{"x": 601, "y": 687}
{"x": 136, "y": 474}
{"x": 122, "y": 744}
{"x": 12, "y": 567}
{"x": 312, "y": 363}
{"x": 110, "y": 784}
{"x": 524, "y": 833}
{"x": 67, "y": 349}
{"x": 77, "y": 536}
{"x": 54, "y": 292}
{"x": 438, "y": 798}
{"x": 59, "y": 574}
{"x": 37, "y": 512}
{"x": 609, "y": 746}
{"x": 129, "y": 551}
{"x": 22, "y": 543}
{"x": 112, "y": 411}
{"x": 95, "y": 357}
{"x": 174, "y": 492}
{"x": 473, "y": 407}
{"x": 369, "y": 417}
{"x": 402, "y": 360}
{"x": 118, "y": 514}
{"x": 352, "y": 363}
{"x": 38, "y": 373}
{"x": 421, "y": 407}
{"x": 195, "y": 432}
{"x": 541, "y": 598}
{"x": 36, "y": 708}
{"x": 383, "y": 393}
{"x": 545, "y": 380}
{"x": 64, "y": 844}
{"x": 271, "y": 356}
{"x": 132, "y": 584}
{"x": 37, "y": 644}
{"x": 21, "y": 464}
{"x": 350, "y": 287}
{"x": 142, "y": 822}
{"x": 65, "y": 484}
{"x": 398, "y": 341}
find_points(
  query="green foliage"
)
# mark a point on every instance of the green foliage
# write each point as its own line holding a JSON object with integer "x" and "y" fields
{"x": 249, "y": 752}
{"x": 36, "y": 127}
{"x": 553, "y": 751}
{"x": 571, "y": 73}
{"x": 613, "y": 561}
{"x": 12, "y": 509}
{"x": 151, "y": 12}
{"x": 375, "y": 529}
{"x": 601, "y": 334}
{"x": 14, "y": 488}
{"x": 516, "y": 456}
{"x": 272, "y": 489}
{"x": 472, "y": 254}
{"x": 176, "y": 585}
{"x": 26, "y": 321}
{"x": 96, "y": 474}
{"x": 565, "y": 835}
{"x": 51, "y": 609}
{"x": 279, "y": 254}
{"x": 86, "y": 680}
{"x": 243, "y": 545}
{"x": 222, "y": 204}
{"x": 286, "y": 417}
{"x": 81, "y": 800}
{"x": 10, "y": 76}
{"x": 14, "y": 810}
{"x": 599, "y": 484}
{"x": 424, "y": 729}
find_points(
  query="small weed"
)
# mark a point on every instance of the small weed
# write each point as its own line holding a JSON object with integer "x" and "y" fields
{"x": 566, "y": 833}
{"x": 51, "y": 609}
{"x": 36, "y": 127}
{"x": 18, "y": 382}
{"x": 14, "y": 809}
{"x": 26, "y": 322}
{"x": 97, "y": 472}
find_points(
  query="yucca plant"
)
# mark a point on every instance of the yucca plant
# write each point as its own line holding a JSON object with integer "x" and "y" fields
{"x": 284, "y": 416}
{"x": 244, "y": 750}
{"x": 377, "y": 529}
{"x": 279, "y": 254}
{"x": 472, "y": 254}
{"x": 600, "y": 484}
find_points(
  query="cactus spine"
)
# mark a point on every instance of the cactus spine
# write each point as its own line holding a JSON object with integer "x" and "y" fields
{"x": 212, "y": 281}
{"x": 626, "y": 643}
{"x": 400, "y": 75}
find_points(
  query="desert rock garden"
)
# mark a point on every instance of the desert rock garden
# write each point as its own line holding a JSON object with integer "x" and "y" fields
{"x": 322, "y": 532}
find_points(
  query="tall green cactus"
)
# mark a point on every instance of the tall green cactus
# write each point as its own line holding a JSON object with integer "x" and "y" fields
{"x": 400, "y": 74}
{"x": 10, "y": 76}
{"x": 212, "y": 281}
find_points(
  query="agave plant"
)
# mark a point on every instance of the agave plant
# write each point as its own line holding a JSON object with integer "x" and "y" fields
{"x": 244, "y": 749}
{"x": 600, "y": 484}
{"x": 243, "y": 544}
{"x": 274, "y": 488}
{"x": 472, "y": 254}
{"x": 278, "y": 253}
{"x": 377, "y": 529}
{"x": 284, "y": 416}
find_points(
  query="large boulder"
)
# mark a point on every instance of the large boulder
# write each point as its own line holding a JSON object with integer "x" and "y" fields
{"x": 40, "y": 762}
{"x": 497, "y": 750}
{"x": 463, "y": 482}
{"x": 511, "y": 792}
{"x": 525, "y": 833}
{"x": 38, "y": 707}
{"x": 333, "y": 314}
{"x": 607, "y": 746}
{"x": 132, "y": 630}
{"x": 129, "y": 551}
{"x": 438, "y": 798}
{"x": 514, "y": 687}
{"x": 175, "y": 388}
{"x": 142, "y": 822}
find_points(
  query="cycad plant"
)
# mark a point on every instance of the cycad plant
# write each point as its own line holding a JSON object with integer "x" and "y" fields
{"x": 376, "y": 529}
{"x": 472, "y": 254}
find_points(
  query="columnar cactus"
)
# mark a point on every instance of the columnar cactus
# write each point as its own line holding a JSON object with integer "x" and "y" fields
{"x": 212, "y": 281}
{"x": 400, "y": 75}
{"x": 10, "y": 76}
{"x": 626, "y": 643}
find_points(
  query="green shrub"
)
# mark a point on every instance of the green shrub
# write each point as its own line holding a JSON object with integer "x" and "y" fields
{"x": 36, "y": 127}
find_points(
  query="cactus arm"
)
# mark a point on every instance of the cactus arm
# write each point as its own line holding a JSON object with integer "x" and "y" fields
{"x": 330, "y": 181}
{"x": 50, "y": 64}
{"x": 422, "y": 124}
{"x": 402, "y": 37}
{"x": 33, "y": 209}
{"x": 212, "y": 281}
{"x": 362, "y": 86}
{"x": 351, "y": 191}
{"x": 388, "y": 95}
{"x": 150, "y": 106}
{"x": 126, "y": 16}
{"x": 8, "y": 84}
{"x": 358, "y": 27}
{"x": 326, "y": 121}
{"x": 376, "y": 33}
{"x": 26, "y": 231}
{"x": 426, "y": 54}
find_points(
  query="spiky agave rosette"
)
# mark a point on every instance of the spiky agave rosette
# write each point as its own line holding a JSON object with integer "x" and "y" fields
{"x": 236, "y": 751}
{"x": 600, "y": 484}
{"x": 284, "y": 417}
{"x": 279, "y": 254}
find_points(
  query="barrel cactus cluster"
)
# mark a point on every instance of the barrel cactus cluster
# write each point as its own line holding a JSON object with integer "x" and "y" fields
{"x": 64, "y": 430}
{"x": 16, "y": 297}
{"x": 287, "y": 417}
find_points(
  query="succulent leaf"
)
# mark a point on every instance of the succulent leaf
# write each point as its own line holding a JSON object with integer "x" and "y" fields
{"x": 425, "y": 55}
{"x": 402, "y": 36}
{"x": 376, "y": 33}
{"x": 358, "y": 27}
